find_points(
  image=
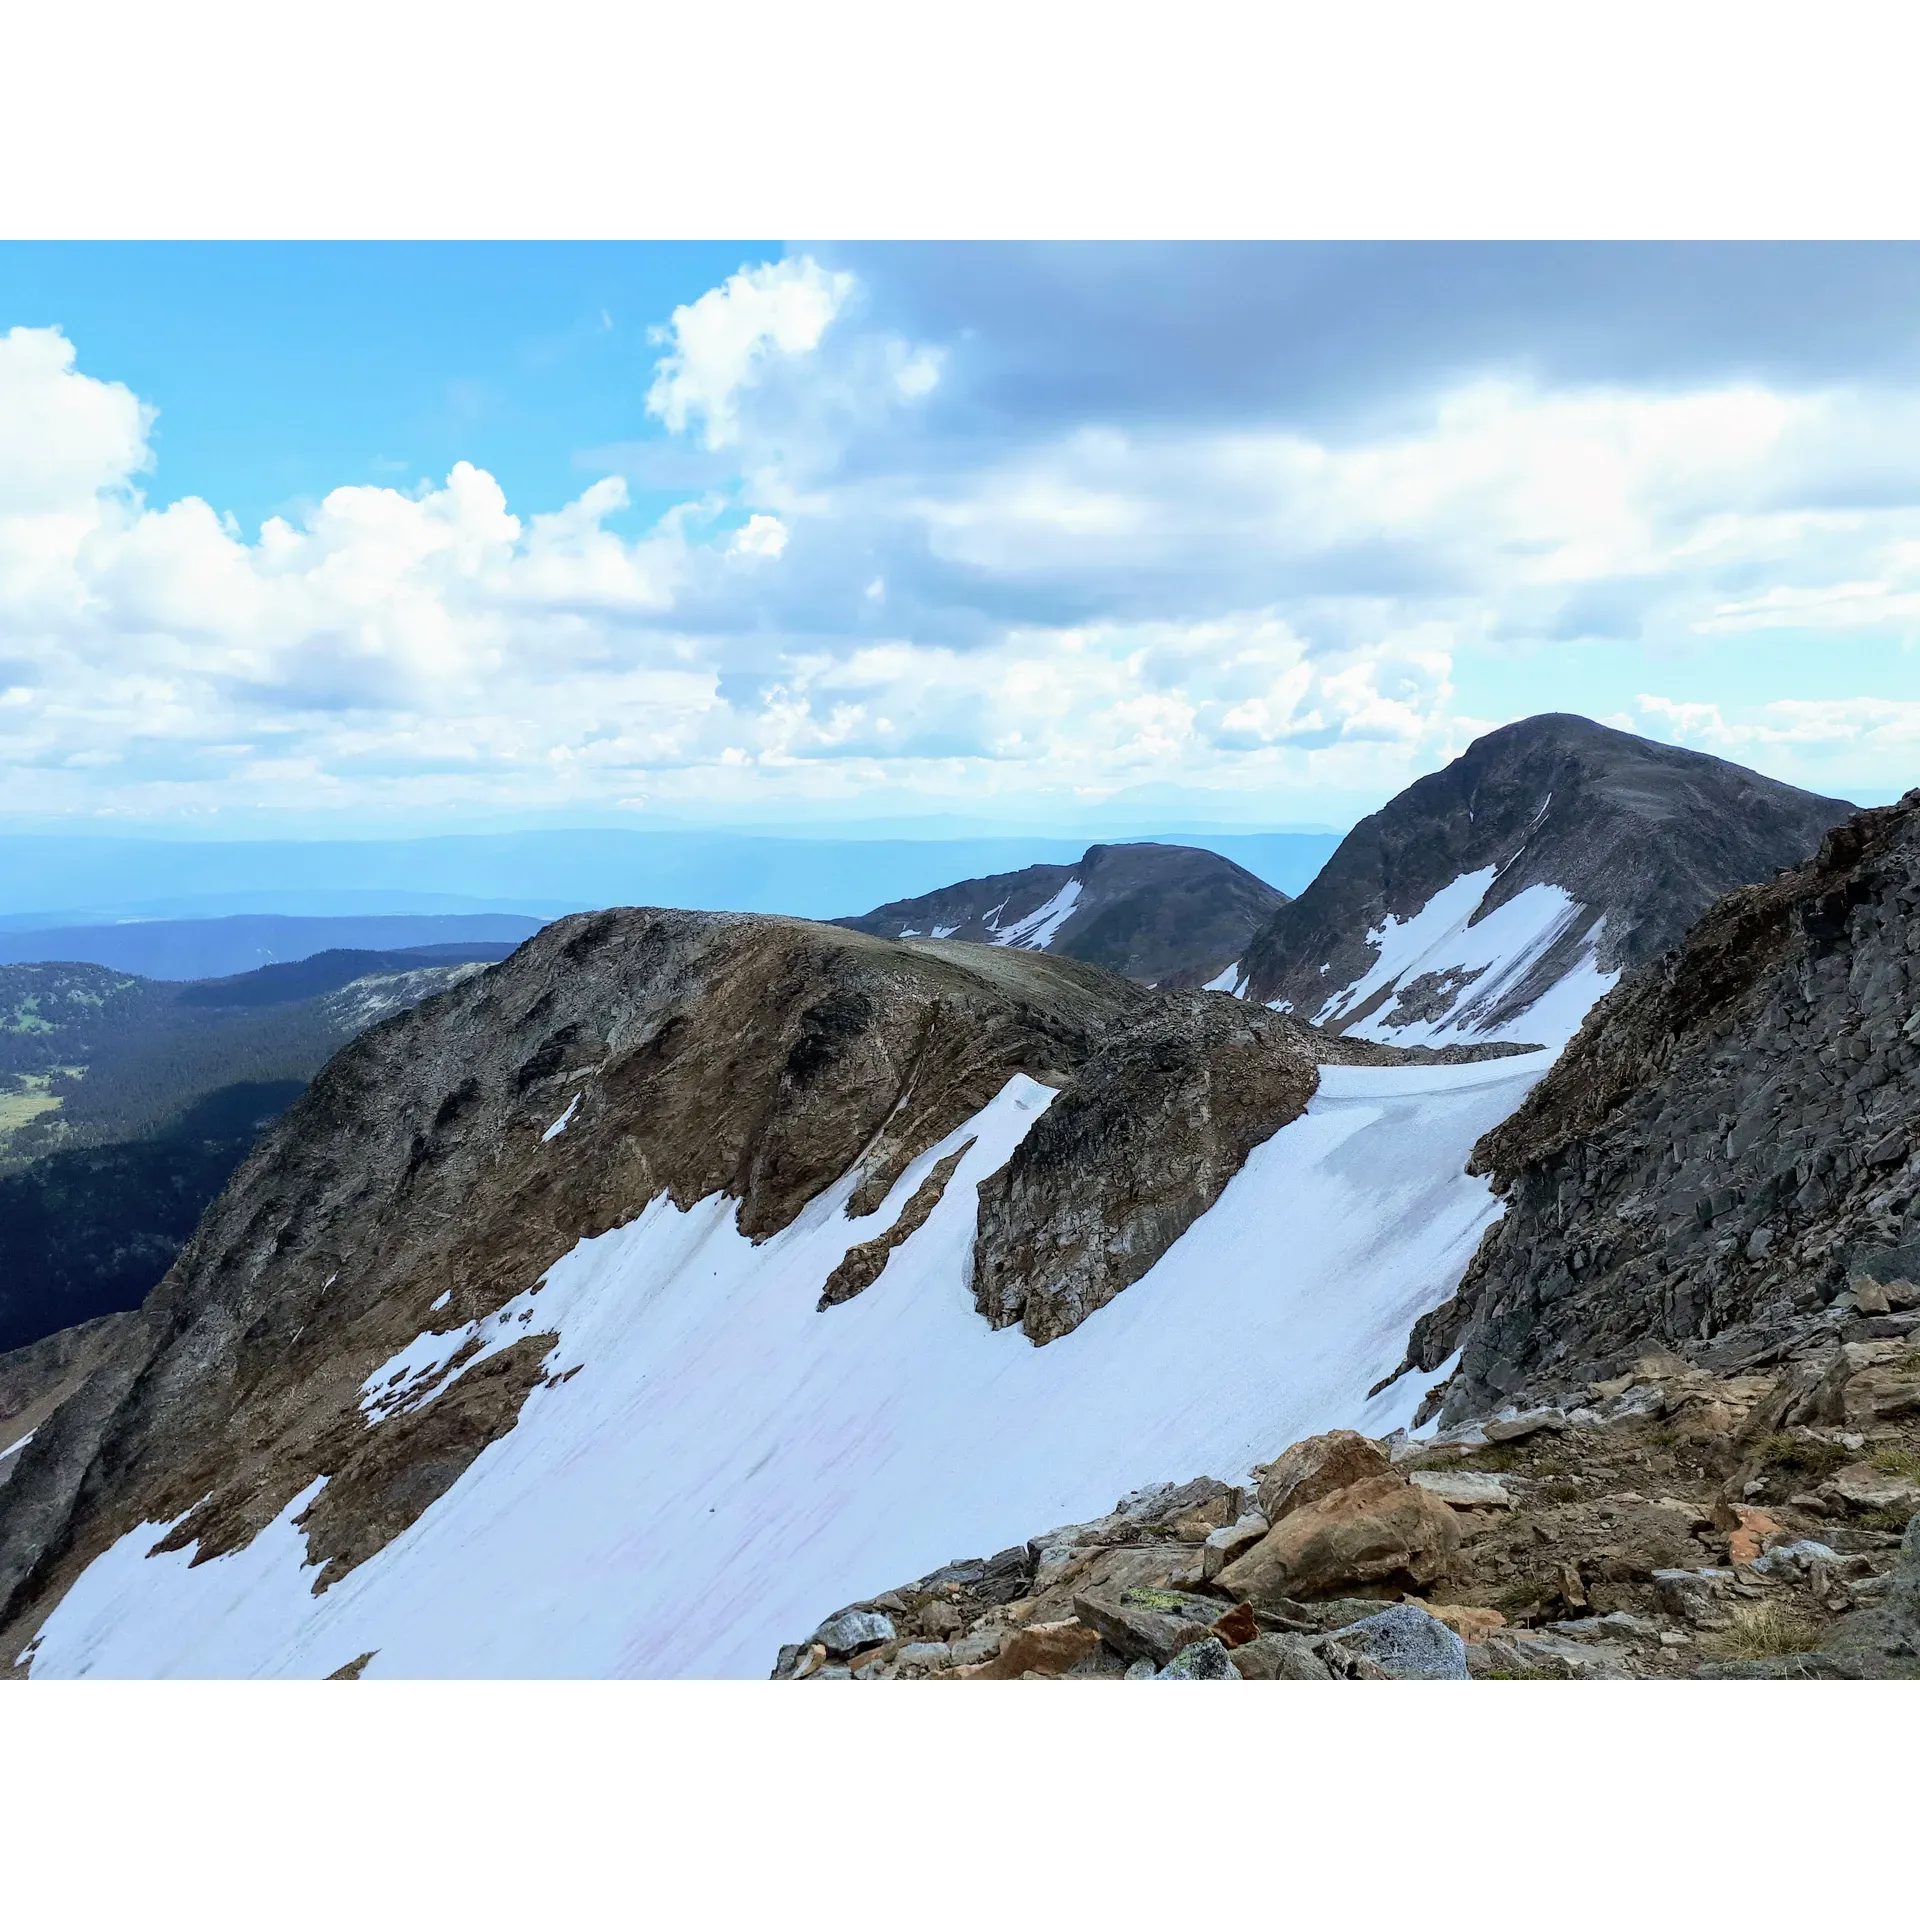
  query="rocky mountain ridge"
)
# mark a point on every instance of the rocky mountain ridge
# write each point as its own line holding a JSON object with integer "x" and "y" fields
{"x": 1149, "y": 912}
{"x": 451, "y": 1159}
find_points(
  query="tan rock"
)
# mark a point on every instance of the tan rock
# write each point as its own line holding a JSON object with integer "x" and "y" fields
{"x": 1311, "y": 1469}
{"x": 1472, "y": 1624}
{"x": 1377, "y": 1532}
{"x": 1034, "y": 1653}
{"x": 1748, "y": 1541}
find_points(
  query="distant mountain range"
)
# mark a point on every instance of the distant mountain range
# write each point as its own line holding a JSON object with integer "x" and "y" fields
{"x": 242, "y": 943}
{"x": 71, "y": 880}
{"x": 125, "y": 1103}
{"x": 1149, "y": 912}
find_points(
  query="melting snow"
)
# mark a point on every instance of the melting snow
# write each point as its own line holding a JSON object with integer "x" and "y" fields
{"x": 729, "y": 1465}
{"x": 560, "y": 1126}
{"x": 1500, "y": 950}
{"x": 1037, "y": 929}
{"x": 1227, "y": 981}
{"x": 8, "y": 1452}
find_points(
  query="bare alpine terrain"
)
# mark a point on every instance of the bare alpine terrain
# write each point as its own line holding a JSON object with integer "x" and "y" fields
{"x": 1680, "y": 1436}
{"x": 631, "y": 1305}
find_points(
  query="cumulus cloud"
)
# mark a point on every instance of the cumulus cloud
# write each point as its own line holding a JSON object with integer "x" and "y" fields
{"x": 723, "y": 341}
{"x": 879, "y": 592}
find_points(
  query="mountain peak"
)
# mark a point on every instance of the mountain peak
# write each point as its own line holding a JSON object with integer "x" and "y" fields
{"x": 1553, "y": 854}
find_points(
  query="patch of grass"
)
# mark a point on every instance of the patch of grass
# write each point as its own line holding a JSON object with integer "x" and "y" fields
{"x": 1880, "y": 1520}
{"x": 1525, "y": 1596}
{"x": 1801, "y": 1453}
{"x": 1766, "y": 1631}
{"x": 1895, "y": 1460}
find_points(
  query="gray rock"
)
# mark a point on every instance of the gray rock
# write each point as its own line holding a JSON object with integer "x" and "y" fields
{"x": 924, "y": 1656}
{"x": 1465, "y": 1490}
{"x": 1205, "y": 1660}
{"x": 1408, "y": 1643}
{"x": 853, "y": 1628}
{"x": 1224, "y": 1545}
{"x": 1136, "y": 1632}
{"x": 1523, "y": 1426}
{"x": 1280, "y": 1656}
{"x": 1693, "y": 1594}
{"x": 1142, "y": 1670}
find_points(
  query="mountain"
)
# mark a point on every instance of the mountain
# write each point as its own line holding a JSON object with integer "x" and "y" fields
{"x": 126, "y": 1103}
{"x": 601, "y": 1313}
{"x": 1506, "y": 893}
{"x": 1146, "y": 911}
{"x": 1682, "y": 1437}
{"x": 198, "y": 949}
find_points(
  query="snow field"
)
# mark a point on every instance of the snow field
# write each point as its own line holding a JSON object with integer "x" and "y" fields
{"x": 729, "y": 1465}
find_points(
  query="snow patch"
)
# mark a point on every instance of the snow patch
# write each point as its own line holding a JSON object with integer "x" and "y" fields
{"x": 1036, "y": 930}
{"x": 1228, "y": 980}
{"x": 560, "y": 1126}
{"x": 728, "y": 1465}
{"x": 7, "y": 1453}
{"x": 1498, "y": 951}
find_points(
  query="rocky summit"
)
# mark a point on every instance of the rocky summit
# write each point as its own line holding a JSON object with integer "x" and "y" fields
{"x": 1170, "y": 915}
{"x": 1505, "y": 893}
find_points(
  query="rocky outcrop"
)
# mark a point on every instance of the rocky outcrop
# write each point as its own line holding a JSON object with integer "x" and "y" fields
{"x": 1639, "y": 837}
{"x": 1154, "y": 1126}
{"x": 1664, "y": 1525}
{"x": 441, "y": 1163}
{"x": 1156, "y": 914}
{"x": 1727, "y": 1151}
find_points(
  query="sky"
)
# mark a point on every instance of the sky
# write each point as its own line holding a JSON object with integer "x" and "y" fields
{"x": 316, "y": 539}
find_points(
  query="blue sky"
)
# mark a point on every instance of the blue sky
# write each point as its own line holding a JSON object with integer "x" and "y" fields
{"x": 400, "y": 538}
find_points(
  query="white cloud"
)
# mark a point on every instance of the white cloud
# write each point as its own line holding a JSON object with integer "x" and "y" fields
{"x": 960, "y": 614}
{"x": 63, "y": 438}
{"x": 763, "y": 538}
{"x": 720, "y": 343}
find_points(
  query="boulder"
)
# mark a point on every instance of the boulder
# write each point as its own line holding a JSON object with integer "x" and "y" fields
{"x": 1141, "y": 1624}
{"x": 1048, "y": 1650}
{"x": 1280, "y": 1656}
{"x": 1204, "y": 1660}
{"x": 1696, "y": 1595}
{"x": 1224, "y": 1545}
{"x": 1371, "y": 1533}
{"x": 1864, "y": 1489}
{"x": 1883, "y": 1642}
{"x": 1407, "y": 1643}
{"x": 1311, "y": 1469}
{"x": 853, "y": 1628}
{"x": 1523, "y": 1426}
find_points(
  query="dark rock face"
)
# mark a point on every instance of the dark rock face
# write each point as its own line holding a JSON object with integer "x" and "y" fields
{"x": 1157, "y": 914}
{"x": 1731, "y": 1142}
{"x": 1142, "y": 1144}
{"x": 1644, "y": 835}
{"x": 689, "y": 1053}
